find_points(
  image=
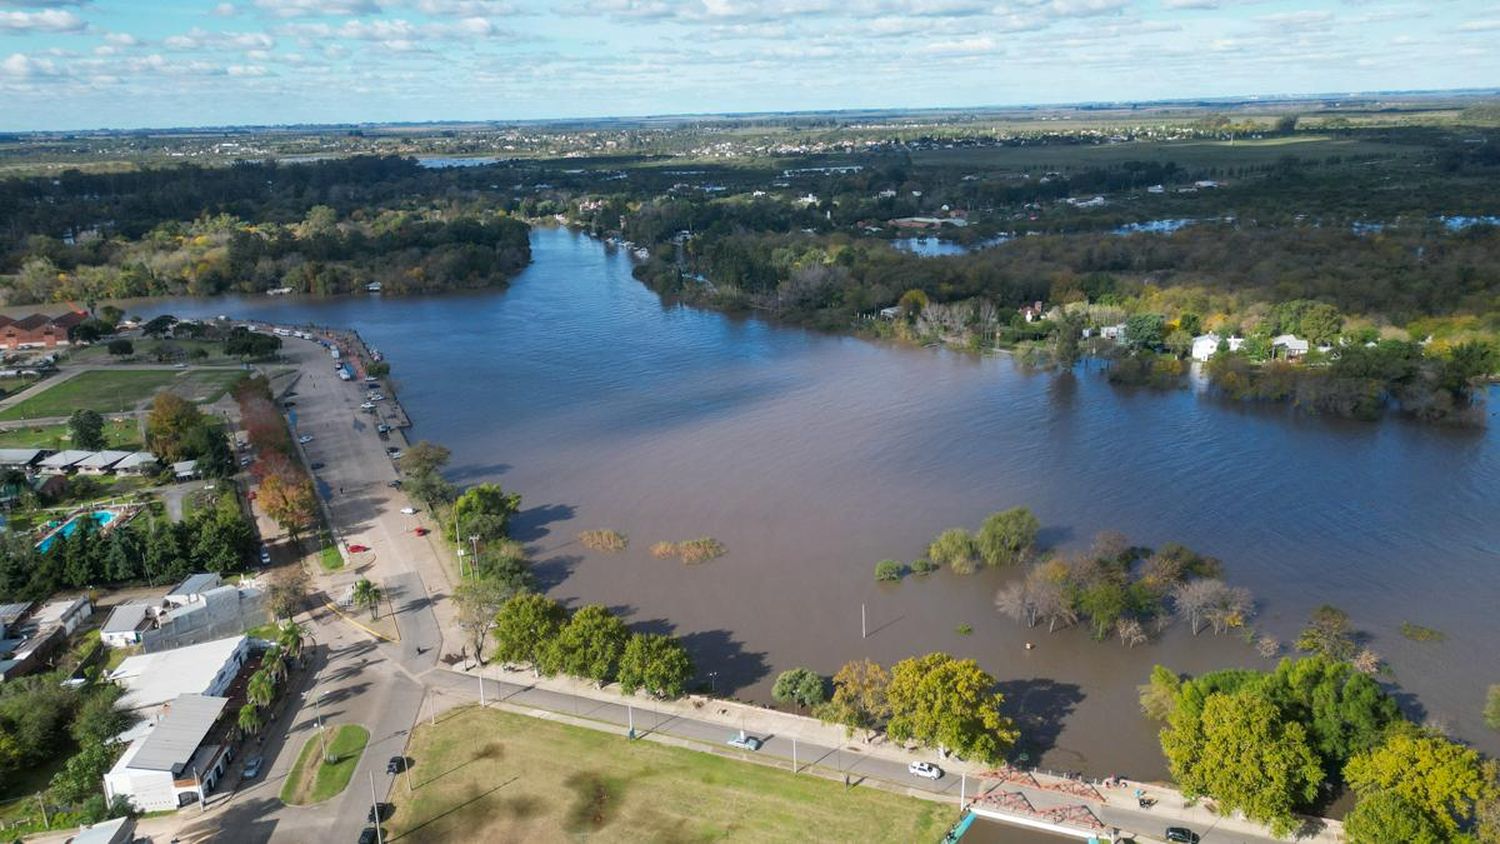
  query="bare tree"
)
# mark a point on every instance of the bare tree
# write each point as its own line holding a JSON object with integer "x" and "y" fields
{"x": 1014, "y": 600}
{"x": 1368, "y": 662}
{"x": 1193, "y": 599}
{"x": 1231, "y": 607}
{"x": 1052, "y": 603}
{"x": 1268, "y": 646}
{"x": 1130, "y": 631}
{"x": 1109, "y": 545}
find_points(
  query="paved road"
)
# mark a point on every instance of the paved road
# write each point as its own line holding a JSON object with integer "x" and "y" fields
{"x": 451, "y": 688}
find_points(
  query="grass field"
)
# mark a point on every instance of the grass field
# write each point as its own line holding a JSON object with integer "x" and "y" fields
{"x": 117, "y": 391}
{"x": 312, "y": 780}
{"x": 485, "y": 775}
{"x": 124, "y": 435}
{"x": 1240, "y": 153}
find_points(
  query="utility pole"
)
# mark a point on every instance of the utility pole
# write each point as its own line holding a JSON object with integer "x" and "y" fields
{"x": 630, "y": 715}
{"x": 46, "y": 824}
{"x": 863, "y": 629}
{"x": 375, "y": 809}
{"x": 481, "y": 690}
{"x": 794, "y": 755}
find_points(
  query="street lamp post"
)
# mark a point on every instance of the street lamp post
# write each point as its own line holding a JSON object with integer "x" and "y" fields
{"x": 317, "y": 700}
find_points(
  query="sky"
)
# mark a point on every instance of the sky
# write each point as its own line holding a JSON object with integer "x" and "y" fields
{"x": 84, "y": 64}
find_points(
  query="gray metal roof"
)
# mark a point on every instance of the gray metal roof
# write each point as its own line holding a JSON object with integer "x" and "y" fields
{"x": 174, "y": 740}
{"x": 18, "y": 456}
{"x": 11, "y": 613}
{"x": 102, "y": 459}
{"x": 64, "y": 459}
{"x": 196, "y": 583}
{"x": 126, "y": 618}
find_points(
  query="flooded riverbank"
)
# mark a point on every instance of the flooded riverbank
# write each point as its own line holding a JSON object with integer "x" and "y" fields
{"x": 812, "y": 457}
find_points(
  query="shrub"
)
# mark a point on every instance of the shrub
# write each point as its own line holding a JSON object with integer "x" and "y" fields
{"x": 1418, "y": 633}
{"x": 956, "y": 549}
{"x": 889, "y": 570}
{"x": 690, "y": 551}
{"x": 611, "y": 541}
{"x": 922, "y": 565}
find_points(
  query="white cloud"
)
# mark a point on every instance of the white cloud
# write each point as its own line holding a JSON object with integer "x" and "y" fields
{"x": 121, "y": 39}
{"x": 46, "y": 20}
{"x": 22, "y": 66}
{"x": 466, "y": 8}
{"x": 1479, "y": 26}
{"x": 1191, "y": 4}
{"x": 200, "y": 39}
{"x": 318, "y": 8}
{"x": 224, "y": 10}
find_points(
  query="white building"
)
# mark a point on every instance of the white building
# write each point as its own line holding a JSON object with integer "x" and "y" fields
{"x": 1289, "y": 345}
{"x": 155, "y": 679}
{"x": 62, "y": 461}
{"x": 100, "y": 462}
{"x": 138, "y": 463}
{"x": 177, "y": 762}
{"x": 125, "y": 623}
{"x": 66, "y": 613}
{"x": 1206, "y": 346}
{"x": 190, "y": 589}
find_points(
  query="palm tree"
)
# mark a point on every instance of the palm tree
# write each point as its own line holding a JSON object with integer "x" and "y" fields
{"x": 274, "y": 661}
{"x": 368, "y": 594}
{"x": 261, "y": 689}
{"x": 249, "y": 721}
{"x": 289, "y": 637}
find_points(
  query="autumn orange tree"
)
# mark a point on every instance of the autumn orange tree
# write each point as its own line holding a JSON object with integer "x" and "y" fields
{"x": 290, "y": 503}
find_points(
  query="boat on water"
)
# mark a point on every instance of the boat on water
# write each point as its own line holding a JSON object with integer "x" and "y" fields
{"x": 373, "y": 287}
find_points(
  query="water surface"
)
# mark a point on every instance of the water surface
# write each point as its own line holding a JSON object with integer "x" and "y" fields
{"x": 813, "y": 457}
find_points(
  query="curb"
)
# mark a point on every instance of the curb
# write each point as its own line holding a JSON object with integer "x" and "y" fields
{"x": 345, "y": 616}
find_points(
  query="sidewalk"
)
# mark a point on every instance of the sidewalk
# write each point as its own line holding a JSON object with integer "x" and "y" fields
{"x": 1116, "y": 804}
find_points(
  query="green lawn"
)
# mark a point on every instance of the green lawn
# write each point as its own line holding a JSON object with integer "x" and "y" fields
{"x": 486, "y": 775}
{"x": 121, "y": 390}
{"x": 123, "y": 434}
{"x": 305, "y": 784}
{"x": 106, "y": 392}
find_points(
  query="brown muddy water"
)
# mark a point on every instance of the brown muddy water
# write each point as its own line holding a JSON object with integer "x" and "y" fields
{"x": 812, "y": 457}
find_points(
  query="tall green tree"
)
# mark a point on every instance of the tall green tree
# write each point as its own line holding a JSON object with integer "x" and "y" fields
{"x": 859, "y": 699}
{"x": 950, "y": 704}
{"x": 657, "y": 664}
{"x": 484, "y": 510}
{"x": 1439, "y": 777}
{"x": 801, "y": 686}
{"x": 1008, "y": 537}
{"x": 1386, "y": 816}
{"x": 479, "y": 600}
{"x": 86, "y": 430}
{"x": 525, "y": 626}
{"x": 590, "y": 645}
{"x": 1243, "y": 754}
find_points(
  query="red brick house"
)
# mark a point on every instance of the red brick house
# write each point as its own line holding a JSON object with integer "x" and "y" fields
{"x": 38, "y": 329}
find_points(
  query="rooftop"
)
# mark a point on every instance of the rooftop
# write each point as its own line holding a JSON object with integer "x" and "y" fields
{"x": 64, "y": 459}
{"x": 18, "y": 456}
{"x": 152, "y": 679}
{"x": 176, "y": 737}
{"x": 135, "y": 460}
{"x": 102, "y": 459}
{"x": 126, "y": 618}
{"x": 197, "y": 583}
{"x": 54, "y": 612}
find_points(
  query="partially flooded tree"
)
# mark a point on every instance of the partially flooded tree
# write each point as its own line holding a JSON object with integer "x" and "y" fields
{"x": 1328, "y": 632}
{"x": 1014, "y": 601}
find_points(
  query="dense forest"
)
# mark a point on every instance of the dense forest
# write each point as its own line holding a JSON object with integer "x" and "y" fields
{"x": 331, "y": 227}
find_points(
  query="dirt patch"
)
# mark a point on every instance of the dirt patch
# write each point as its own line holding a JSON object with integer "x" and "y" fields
{"x": 596, "y": 801}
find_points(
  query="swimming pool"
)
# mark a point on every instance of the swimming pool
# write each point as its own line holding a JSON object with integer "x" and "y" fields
{"x": 70, "y": 527}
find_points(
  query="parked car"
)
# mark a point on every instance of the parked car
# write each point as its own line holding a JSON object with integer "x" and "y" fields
{"x": 925, "y": 769}
{"x": 245, "y": 461}
{"x": 305, "y": 439}
{"x": 368, "y": 835}
{"x": 316, "y": 465}
{"x": 390, "y": 449}
{"x": 376, "y": 397}
{"x": 288, "y": 404}
{"x": 265, "y": 556}
{"x": 396, "y": 484}
{"x": 1181, "y": 835}
{"x": 252, "y": 767}
{"x": 745, "y": 742}
{"x": 358, "y": 549}
{"x": 408, "y": 511}
{"x": 378, "y": 812}
{"x": 383, "y": 428}
{"x": 367, "y": 406}
{"x": 397, "y": 454}
{"x": 420, "y": 531}
{"x": 396, "y": 765}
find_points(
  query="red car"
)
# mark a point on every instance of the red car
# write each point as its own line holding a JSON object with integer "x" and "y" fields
{"x": 421, "y": 531}
{"x": 358, "y": 549}
{"x": 250, "y": 495}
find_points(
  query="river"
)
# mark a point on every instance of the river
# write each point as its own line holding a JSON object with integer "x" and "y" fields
{"x": 812, "y": 457}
